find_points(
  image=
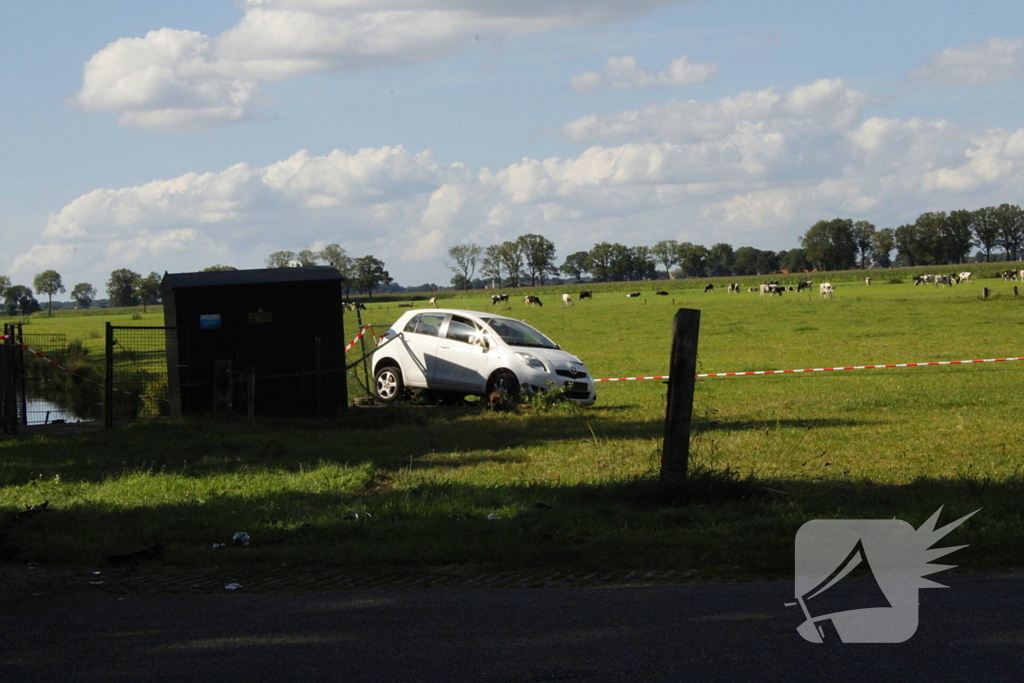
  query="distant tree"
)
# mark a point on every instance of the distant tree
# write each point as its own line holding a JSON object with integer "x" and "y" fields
{"x": 370, "y": 274}
{"x": 334, "y": 255}
{"x": 49, "y": 283}
{"x": 642, "y": 265}
{"x": 575, "y": 265}
{"x": 794, "y": 260}
{"x": 122, "y": 287}
{"x": 1010, "y": 219}
{"x": 217, "y": 268}
{"x": 464, "y": 258}
{"x": 909, "y": 248}
{"x": 959, "y": 236}
{"x": 767, "y": 261}
{"x": 18, "y": 300}
{"x": 600, "y": 261}
{"x": 986, "y": 230}
{"x": 492, "y": 266}
{"x": 720, "y": 258}
{"x": 863, "y": 231}
{"x": 882, "y": 244}
{"x": 666, "y": 252}
{"x": 511, "y": 255}
{"x": 830, "y": 244}
{"x": 280, "y": 259}
{"x": 538, "y": 257}
{"x": 84, "y": 294}
{"x": 5, "y": 282}
{"x": 148, "y": 290}
{"x": 930, "y": 231}
{"x": 621, "y": 261}
{"x": 745, "y": 261}
{"x": 307, "y": 258}
{"x": 694, "y": 258}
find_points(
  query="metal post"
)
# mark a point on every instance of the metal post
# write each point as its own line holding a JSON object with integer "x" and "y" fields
{"x": 362, "y": 349}
{"x": 675, "y": 454}
{"x": 108, "y": 383}
{"x": 319, "y": 369}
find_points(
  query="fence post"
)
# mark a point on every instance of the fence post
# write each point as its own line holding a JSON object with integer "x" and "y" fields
{"x": 8, "y": 391}
{"x": 675, "y": 452}
{"x": 984, "y": 292}
{"x": 108, "y": 380}
{"x": 319, "y": 369}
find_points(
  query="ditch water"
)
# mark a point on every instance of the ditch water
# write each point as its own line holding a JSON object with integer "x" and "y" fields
{"x": 40, "y": 411}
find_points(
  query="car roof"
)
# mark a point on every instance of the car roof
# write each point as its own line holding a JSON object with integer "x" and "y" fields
{"x": 456, "y": 311}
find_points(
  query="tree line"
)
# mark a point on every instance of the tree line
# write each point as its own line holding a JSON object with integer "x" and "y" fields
{"x": 935, "y": 238}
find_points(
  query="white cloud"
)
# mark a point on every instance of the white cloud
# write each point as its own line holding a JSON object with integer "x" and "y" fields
{"x": 992, "y": 61}
{"x": 178, "y": 79}
{"x": 626, "y": 72}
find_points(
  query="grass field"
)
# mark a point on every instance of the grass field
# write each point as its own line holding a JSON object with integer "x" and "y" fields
{"x": 573, "y": 487}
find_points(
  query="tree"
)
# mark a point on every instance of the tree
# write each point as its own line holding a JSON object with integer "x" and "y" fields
{"x": 666, "y": 252}
{"x": 511, "y": 255}
{"x": 280, "y": 259}
{"x": 122, "y": 287}
{"x": 84, "y": 294}
{"x": 1010, "y": 220}
{"x": 370, "y": 274}
{"x": 492, "y": 267}
{"x": 149, "y": 290}
{"x": 307, "y": 258}
{"x": 830, "y": 244}
{"x": 334, "y": 255}
{"x": 986, "y": 230}
{"x": 217, "y": 268}
{"x": 863, "y": 231}
{"x": 600, "y": 260}
{"x": 694, "y": 258}
{"x": 794, "y": 260}
{"x": 575, "y": 265}
{"x": 538, "y": 256}
{"x": 745, "y": 261}
{"x": 5, "y": 282}
{"x": 720, "y": 258}
{"x": 930, "y": 230}
{"x": 18, "y": 300}
{"x": 882, "y": 244}
{"x": 464, "y": 259}
{"x": 49, "y": 283}
{"x": 959, "y": 236}
{"x": 909, "y": 250}
{"x": 641, "y": 264}
{"x": 767, "y": 261}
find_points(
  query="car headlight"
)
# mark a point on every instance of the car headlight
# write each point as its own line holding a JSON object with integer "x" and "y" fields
{"x": 532, "y": 361}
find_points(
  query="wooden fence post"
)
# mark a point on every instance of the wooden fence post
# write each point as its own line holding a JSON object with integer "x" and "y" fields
{"x": 675, "y": 452}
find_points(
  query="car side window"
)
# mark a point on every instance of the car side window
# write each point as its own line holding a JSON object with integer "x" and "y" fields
{"x": 425, "y": 323}
{"x": 463, "y": 330}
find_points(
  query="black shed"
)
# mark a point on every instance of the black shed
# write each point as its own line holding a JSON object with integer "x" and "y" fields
{"x": 270, "y": 338}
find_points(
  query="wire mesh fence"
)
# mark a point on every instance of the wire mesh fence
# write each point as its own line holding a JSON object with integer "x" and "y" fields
{"x": 136, "y": 373}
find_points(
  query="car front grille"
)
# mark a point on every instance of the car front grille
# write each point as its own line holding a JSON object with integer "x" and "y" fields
{"x": 566, "y": 373}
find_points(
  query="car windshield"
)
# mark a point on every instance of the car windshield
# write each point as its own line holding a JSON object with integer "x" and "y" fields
{"x": 515, "y": 333}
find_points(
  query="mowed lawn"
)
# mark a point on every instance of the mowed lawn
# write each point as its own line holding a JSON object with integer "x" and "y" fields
{"x": 572, "y": 487}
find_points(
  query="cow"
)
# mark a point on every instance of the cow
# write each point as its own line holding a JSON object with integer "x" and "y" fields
{"x": 921, "y": 279}
{"x": 633, "y": 295}
{"x": 566, "y": 300}
{"x": 771, "y": 288}
{"x": 753, "y": 289}
{"x": 495, "y": 298}
{"x": 801, "y": 286}
{"x": 867, "y": 281}
{"x": 944, "y": 280}
{"x": 965, "y": 276}
{"x": 661, "y": 294}
{"x": 708, "y": 287}
{"x": 586, "y": 294}
{"x": 530, "y": 300}
{"x": 1009, "y": 275}
{"x": 734, "y": 287}
{"x": 353, "y": 306}
{"x": 825, "y": 289}
{"x": 433, "y": 302}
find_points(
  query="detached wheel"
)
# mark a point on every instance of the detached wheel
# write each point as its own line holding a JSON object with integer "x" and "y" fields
{"x": 387, "y": 382}
{"x": 504, "y": 382}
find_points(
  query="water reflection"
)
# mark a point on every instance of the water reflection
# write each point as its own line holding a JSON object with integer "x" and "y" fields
{"x": 41, "y": 412}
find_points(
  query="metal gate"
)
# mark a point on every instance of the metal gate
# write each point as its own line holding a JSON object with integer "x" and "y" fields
{"x": 138, "y": 384}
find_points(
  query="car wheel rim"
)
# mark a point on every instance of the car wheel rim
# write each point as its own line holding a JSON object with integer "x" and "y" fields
{"x": 387, "y": 385}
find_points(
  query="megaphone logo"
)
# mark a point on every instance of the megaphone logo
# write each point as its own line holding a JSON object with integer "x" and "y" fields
{"x": 857, "y": 579}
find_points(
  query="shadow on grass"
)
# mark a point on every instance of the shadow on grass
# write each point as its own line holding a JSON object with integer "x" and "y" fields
{"x": 719, "y": 524}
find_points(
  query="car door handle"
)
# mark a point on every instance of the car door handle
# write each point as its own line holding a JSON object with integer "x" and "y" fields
{"x": 444, "y": 346}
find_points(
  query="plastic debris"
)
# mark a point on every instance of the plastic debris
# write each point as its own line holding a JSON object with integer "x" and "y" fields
{"x": 356, "y": 516}
{"x": 218, "y": 546}
{"x": 493, "y": 516}
{"x": 241, "y": 538}
{"x": 233, "y": 586}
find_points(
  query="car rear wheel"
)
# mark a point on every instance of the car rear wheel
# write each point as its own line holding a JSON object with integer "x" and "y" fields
{"x": 503, "y": 382}
{"x": 388, "y": 384}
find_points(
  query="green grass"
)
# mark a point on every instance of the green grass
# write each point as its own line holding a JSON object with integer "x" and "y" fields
{"x": 770, "y": 452}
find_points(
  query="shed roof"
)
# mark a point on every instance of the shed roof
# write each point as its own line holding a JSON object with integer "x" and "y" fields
{"x": 225, "y": 278}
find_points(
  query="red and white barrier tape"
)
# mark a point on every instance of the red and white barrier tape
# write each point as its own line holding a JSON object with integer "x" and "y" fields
{"x": 358, "y": 337}
{"x": 847, "y": 367}
{"x": 55, "y": 364}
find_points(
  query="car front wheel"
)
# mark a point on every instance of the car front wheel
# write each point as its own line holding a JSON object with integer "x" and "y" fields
{"x": 388, "y": 384}
{"x": 503, "y": 382}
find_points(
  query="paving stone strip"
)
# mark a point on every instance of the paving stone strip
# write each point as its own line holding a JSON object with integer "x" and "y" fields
{"x": 163, "y": 579}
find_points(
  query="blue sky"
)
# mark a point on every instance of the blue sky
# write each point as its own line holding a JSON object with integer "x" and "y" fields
{"x": 172, "y": 136}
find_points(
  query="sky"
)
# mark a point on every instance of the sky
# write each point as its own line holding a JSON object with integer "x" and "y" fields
{"x": 176, "y": 136}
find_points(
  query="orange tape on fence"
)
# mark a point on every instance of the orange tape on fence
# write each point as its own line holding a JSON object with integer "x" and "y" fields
{"x": 844, "y": 367}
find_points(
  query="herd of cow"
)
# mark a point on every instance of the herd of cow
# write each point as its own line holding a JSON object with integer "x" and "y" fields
{"x": 773, "y": 288}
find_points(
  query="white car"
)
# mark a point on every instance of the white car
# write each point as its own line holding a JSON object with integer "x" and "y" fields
{"x": 456, "y": 352}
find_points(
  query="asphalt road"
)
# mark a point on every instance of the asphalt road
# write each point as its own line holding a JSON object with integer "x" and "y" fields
{"x": 973, "y": 631}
